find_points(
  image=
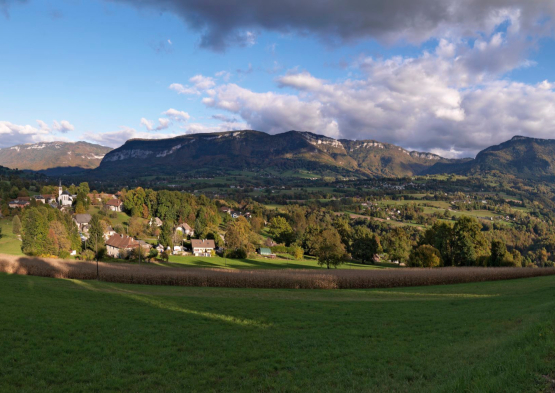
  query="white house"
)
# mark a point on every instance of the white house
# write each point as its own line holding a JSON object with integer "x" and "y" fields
{"x": 203, "y": 248}
{"x": 185, "y": 229}
{"x": 115, "y": 205}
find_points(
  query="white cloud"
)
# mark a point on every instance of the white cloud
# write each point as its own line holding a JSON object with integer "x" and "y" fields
{"x": 199, "y": 83}
{"x": 231, "y": 125}
{"x": 14, "y": 134}
{"x": 162, "y": 124}
{"x": 225, "y": 75}
{"x": 118, "y": 138}
{"x": 176, "y": 115}
{"x": 451, "y": 101}
{"x": 43, "y": 126}
{"x": 64, "y": 126}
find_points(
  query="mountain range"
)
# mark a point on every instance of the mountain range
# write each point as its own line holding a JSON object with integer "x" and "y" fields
{"x": 238, "y": 150}
{"x": 54, "y": 157}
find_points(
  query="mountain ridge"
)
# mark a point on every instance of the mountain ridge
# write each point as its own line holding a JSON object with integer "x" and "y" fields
{"x": 47, "y": 155}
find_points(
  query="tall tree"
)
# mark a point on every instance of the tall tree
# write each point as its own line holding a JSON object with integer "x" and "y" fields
{"x": 166, "y": 234}
{"x": 330, "y": 250}
{"x": 365, "y": 244}
{"x": 96, "y": 234}
{"x": 468, "y": 241}
{"x": 16, "y": 225}
{"x": 280, "y": 230}
{"x": 35, "y": 233}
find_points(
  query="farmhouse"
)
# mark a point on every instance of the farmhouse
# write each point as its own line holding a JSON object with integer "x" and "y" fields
{"x": 185, "y": 229}
{"x": 18, "y": 203}
{"x": 156, "y": 222}
{"x": 119, "y": 246}
{"x": 82, "y": 221}
{"x": 114, "y": 205}
{"x": 203, "y": 248}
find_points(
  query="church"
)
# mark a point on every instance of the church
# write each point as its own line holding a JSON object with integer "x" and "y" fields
{"x": 64, "y": 197}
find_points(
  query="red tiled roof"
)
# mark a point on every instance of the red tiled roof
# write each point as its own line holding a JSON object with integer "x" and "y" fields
{"x": 205, "y": 243}
{"x": 121, "y": 241}
{"x": 114, "y": 202}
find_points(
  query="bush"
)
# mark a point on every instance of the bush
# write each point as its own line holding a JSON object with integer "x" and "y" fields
{"x": 240, "y": 253}
{"x": 87, "y": 255}
{"x": 64, "y": 254}
{"x": 425, "y": 256}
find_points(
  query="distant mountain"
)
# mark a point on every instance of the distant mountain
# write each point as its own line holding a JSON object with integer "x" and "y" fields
{"x": 523, "y": 157}
{"x": 235, "y": 150}
{"x": 64, "y": 156}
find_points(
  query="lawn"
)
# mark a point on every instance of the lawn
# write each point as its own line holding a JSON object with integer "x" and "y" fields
{"x": 261, "y": 263}
{"x": 88, "y": 336}
{"x": 9, "y": 243}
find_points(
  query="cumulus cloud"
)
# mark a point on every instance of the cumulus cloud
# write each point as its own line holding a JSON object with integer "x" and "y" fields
{"x": 230, "y": 125}
{"x": 222, "y": 23}
{"x": 14, "y": 134}
{"x": 119, "y": 137}
{"x": 43, "y": 126}
{"x": 162, "y": 124}
{"x": 199, "y": 83}
{"x": 450, "y": 101}
{"x": 64, "y": 126}
{"x": 176, "y": 115}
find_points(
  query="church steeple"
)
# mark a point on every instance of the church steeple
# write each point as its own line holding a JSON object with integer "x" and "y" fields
{"x": 60, "y": 189}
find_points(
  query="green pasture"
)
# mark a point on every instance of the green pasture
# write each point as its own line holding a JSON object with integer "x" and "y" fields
{"x": 87, "y": 336}
{"x": 9, "y": 243}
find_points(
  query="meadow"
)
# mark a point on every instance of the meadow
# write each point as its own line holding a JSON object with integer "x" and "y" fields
{"x": 9, "y": 243}
{"x": 88, "y": 336}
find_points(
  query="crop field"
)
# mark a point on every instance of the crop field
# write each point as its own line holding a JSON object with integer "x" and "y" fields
{"x": 70, "y": 335}
{"x": 259, "y": 278}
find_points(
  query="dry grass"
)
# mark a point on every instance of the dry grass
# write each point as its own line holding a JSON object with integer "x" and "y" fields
{"x": 290, "y": 279}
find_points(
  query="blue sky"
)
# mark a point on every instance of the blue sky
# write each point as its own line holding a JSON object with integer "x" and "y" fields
{"x": 101, "y": 71}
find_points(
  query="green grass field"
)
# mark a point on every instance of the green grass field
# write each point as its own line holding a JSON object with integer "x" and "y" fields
{"x": 9, "y": 243}
{"x": 88, "y": 336}
{"x": 261, "y": 263}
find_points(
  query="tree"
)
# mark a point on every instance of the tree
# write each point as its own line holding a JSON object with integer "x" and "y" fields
{"x": 35, "y": 233}
{"x": 440, "y": 236}
{"x": 498, "y": 251}
{"x": 96, "y": 234}
{"x": 280, "y": 230}
{"x": 398, "y": 245}
{"x": 58, "y": 237}
{"x": 237, "y": 235}
{"x": 468, "y": 241}
{"x": 80, "y": 208}
{"x": 298, "y": 253}
{"x": 16, "y": 225}
{"x": 166, "y": 234}
{"x": 425, "y": 256}
{"x": 330, "y": 250}
{"x": 365, "y": 244}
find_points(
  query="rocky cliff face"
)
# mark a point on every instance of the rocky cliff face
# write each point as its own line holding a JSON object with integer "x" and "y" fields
{"x": 248, "y": 149}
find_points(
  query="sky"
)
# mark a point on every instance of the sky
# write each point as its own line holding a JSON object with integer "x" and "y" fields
{"x": 447, "y": 76}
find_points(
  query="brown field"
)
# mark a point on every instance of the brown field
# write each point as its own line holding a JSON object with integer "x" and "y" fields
{"x": 289, "y": 279}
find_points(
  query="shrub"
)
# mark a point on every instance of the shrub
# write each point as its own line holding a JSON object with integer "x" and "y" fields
{"x": 425, "y": 256}
{"x": 87, "y": 255}
{"x": 64, "y": 254}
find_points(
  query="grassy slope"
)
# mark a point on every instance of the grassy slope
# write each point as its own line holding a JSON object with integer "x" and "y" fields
{"x": 63, "y": 335}
{"x": 9, "y": 243}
